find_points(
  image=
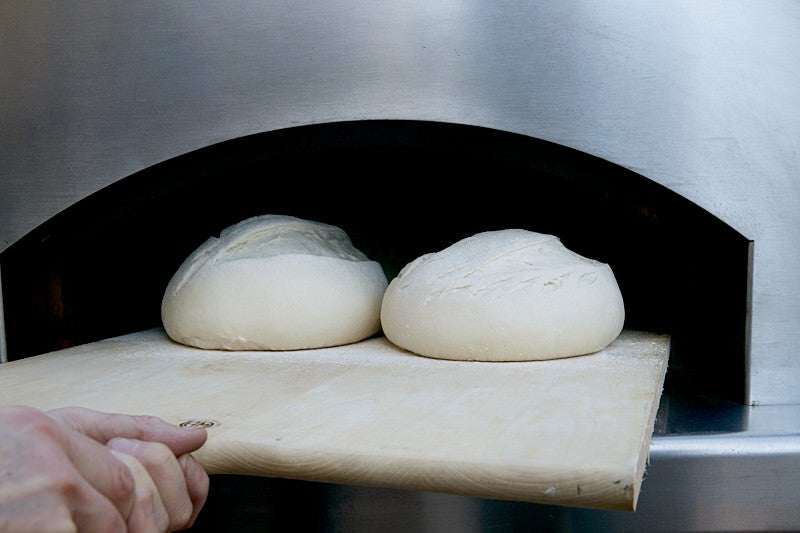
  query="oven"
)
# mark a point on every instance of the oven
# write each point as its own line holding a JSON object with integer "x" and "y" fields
{"x": 661, "y": 139}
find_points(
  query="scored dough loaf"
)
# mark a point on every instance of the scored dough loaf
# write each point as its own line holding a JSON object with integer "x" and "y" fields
{"x": 507, "y": 295}
{"x": 274, "y": 282}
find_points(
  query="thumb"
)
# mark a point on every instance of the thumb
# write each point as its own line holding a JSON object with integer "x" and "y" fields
{"x": 103, "y": 427}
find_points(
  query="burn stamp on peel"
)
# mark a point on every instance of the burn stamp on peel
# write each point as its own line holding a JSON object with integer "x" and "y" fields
{"x": 274, "y": 282}
{"x": 199, "y": 423}
{"x": 506, "y": 295}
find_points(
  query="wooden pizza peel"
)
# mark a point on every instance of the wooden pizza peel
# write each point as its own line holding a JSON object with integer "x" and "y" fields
{"x": 572, "y": 431}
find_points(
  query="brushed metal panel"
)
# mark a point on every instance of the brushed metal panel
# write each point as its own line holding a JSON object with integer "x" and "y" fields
{"x": 698, "y": 96}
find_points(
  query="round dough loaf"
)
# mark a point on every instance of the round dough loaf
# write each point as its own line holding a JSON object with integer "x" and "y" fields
{"x": 274, "y": 282}
{"x": 509, "y": 295}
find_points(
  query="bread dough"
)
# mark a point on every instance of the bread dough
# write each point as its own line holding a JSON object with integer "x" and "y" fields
{"x": 508, "y": 295}
{"x": 274, "y": 282}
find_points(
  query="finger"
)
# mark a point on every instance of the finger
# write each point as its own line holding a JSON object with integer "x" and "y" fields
{"x": 167, "y": 475}
{"x": 61, "y": 469}
{"x": 93, "y": 512}
{"x": 149, "y": 514}
{"x": 103, "y": 427}
{"x": 197, "y": 483}
{"x": 102, "y": 470}
{"x": 33, "y": 507}
{"x": 57, "y": 520}
{"x": 70, "y": 499}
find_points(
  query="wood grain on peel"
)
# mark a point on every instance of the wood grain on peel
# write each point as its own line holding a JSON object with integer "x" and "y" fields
{"x": 573, "y": 431}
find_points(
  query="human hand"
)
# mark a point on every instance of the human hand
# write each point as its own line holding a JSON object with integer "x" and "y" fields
{"x": 75, "y": 469}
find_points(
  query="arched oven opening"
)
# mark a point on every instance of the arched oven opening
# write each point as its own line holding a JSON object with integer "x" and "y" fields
{"x": 400, "y": 189}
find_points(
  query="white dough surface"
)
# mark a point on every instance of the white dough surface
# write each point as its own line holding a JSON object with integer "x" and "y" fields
{"x": 506, "y": 295}
{"x": 274, "y": 282}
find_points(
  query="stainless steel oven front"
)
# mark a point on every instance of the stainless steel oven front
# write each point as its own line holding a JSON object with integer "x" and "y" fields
{"x": 680, "y": 118}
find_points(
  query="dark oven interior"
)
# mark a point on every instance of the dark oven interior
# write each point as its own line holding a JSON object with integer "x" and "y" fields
{"x": 400, "y": 189}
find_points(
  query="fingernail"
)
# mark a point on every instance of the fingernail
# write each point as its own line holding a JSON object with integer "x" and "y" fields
{"x": 123, "y": 445}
